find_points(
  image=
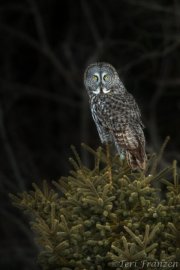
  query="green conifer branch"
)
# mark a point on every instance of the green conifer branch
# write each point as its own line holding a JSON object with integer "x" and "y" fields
{"x": 86, "y": 222}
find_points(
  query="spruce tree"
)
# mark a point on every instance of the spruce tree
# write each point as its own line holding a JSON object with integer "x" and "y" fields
{"x": 103, "y": 217}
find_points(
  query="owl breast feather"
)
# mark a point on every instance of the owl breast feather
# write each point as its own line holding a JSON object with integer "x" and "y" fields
{"x": 109, "y": 109}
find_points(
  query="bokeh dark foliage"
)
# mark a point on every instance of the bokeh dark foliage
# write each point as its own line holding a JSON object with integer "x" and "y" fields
{"x": 44, "y": 49}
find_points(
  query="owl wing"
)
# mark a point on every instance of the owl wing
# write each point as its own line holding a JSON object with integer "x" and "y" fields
{"x": 126, "y": 126}
{"x": 131, "y": 140}
{"x": 119, "y": 111}
{"x": 134, "y": 113}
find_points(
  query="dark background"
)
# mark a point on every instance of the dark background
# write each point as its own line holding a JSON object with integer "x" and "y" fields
{"x": 45, "y": 45}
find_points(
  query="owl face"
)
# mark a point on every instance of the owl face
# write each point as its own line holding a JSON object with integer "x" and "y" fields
{"x": 100, "y": 78}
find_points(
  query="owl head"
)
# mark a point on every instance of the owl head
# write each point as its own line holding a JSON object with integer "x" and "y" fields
{"x": 102, "y": 78}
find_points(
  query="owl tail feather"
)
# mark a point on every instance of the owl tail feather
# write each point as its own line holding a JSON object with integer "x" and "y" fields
{"x": 136, "y": 159}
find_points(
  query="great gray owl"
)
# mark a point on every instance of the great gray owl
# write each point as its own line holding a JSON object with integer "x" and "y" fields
{"x": 116, "y": 113}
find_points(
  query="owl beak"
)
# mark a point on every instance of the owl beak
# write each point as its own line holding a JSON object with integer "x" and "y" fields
{"x": 101, "y": 88}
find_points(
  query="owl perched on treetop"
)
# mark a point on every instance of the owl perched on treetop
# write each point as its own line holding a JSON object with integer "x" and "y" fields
{"x": 115, "y": 113}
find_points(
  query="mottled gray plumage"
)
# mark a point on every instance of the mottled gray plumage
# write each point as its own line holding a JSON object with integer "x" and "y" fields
{"x": 116, "y": 113}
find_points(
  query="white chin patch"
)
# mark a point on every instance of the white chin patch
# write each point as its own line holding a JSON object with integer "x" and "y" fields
{"x": 105, "y": 90}
{"x": 97, "y": 91}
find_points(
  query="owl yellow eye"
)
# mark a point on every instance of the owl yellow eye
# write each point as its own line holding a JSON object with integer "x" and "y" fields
{"x": 95, "y": 78}
{"x": 106, "y": 78}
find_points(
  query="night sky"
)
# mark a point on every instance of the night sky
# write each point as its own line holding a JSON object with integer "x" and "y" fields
{"x": 45, "y": 46}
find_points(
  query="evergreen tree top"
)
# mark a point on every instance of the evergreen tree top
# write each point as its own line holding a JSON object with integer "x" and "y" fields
{"x": 106, "y": 216}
